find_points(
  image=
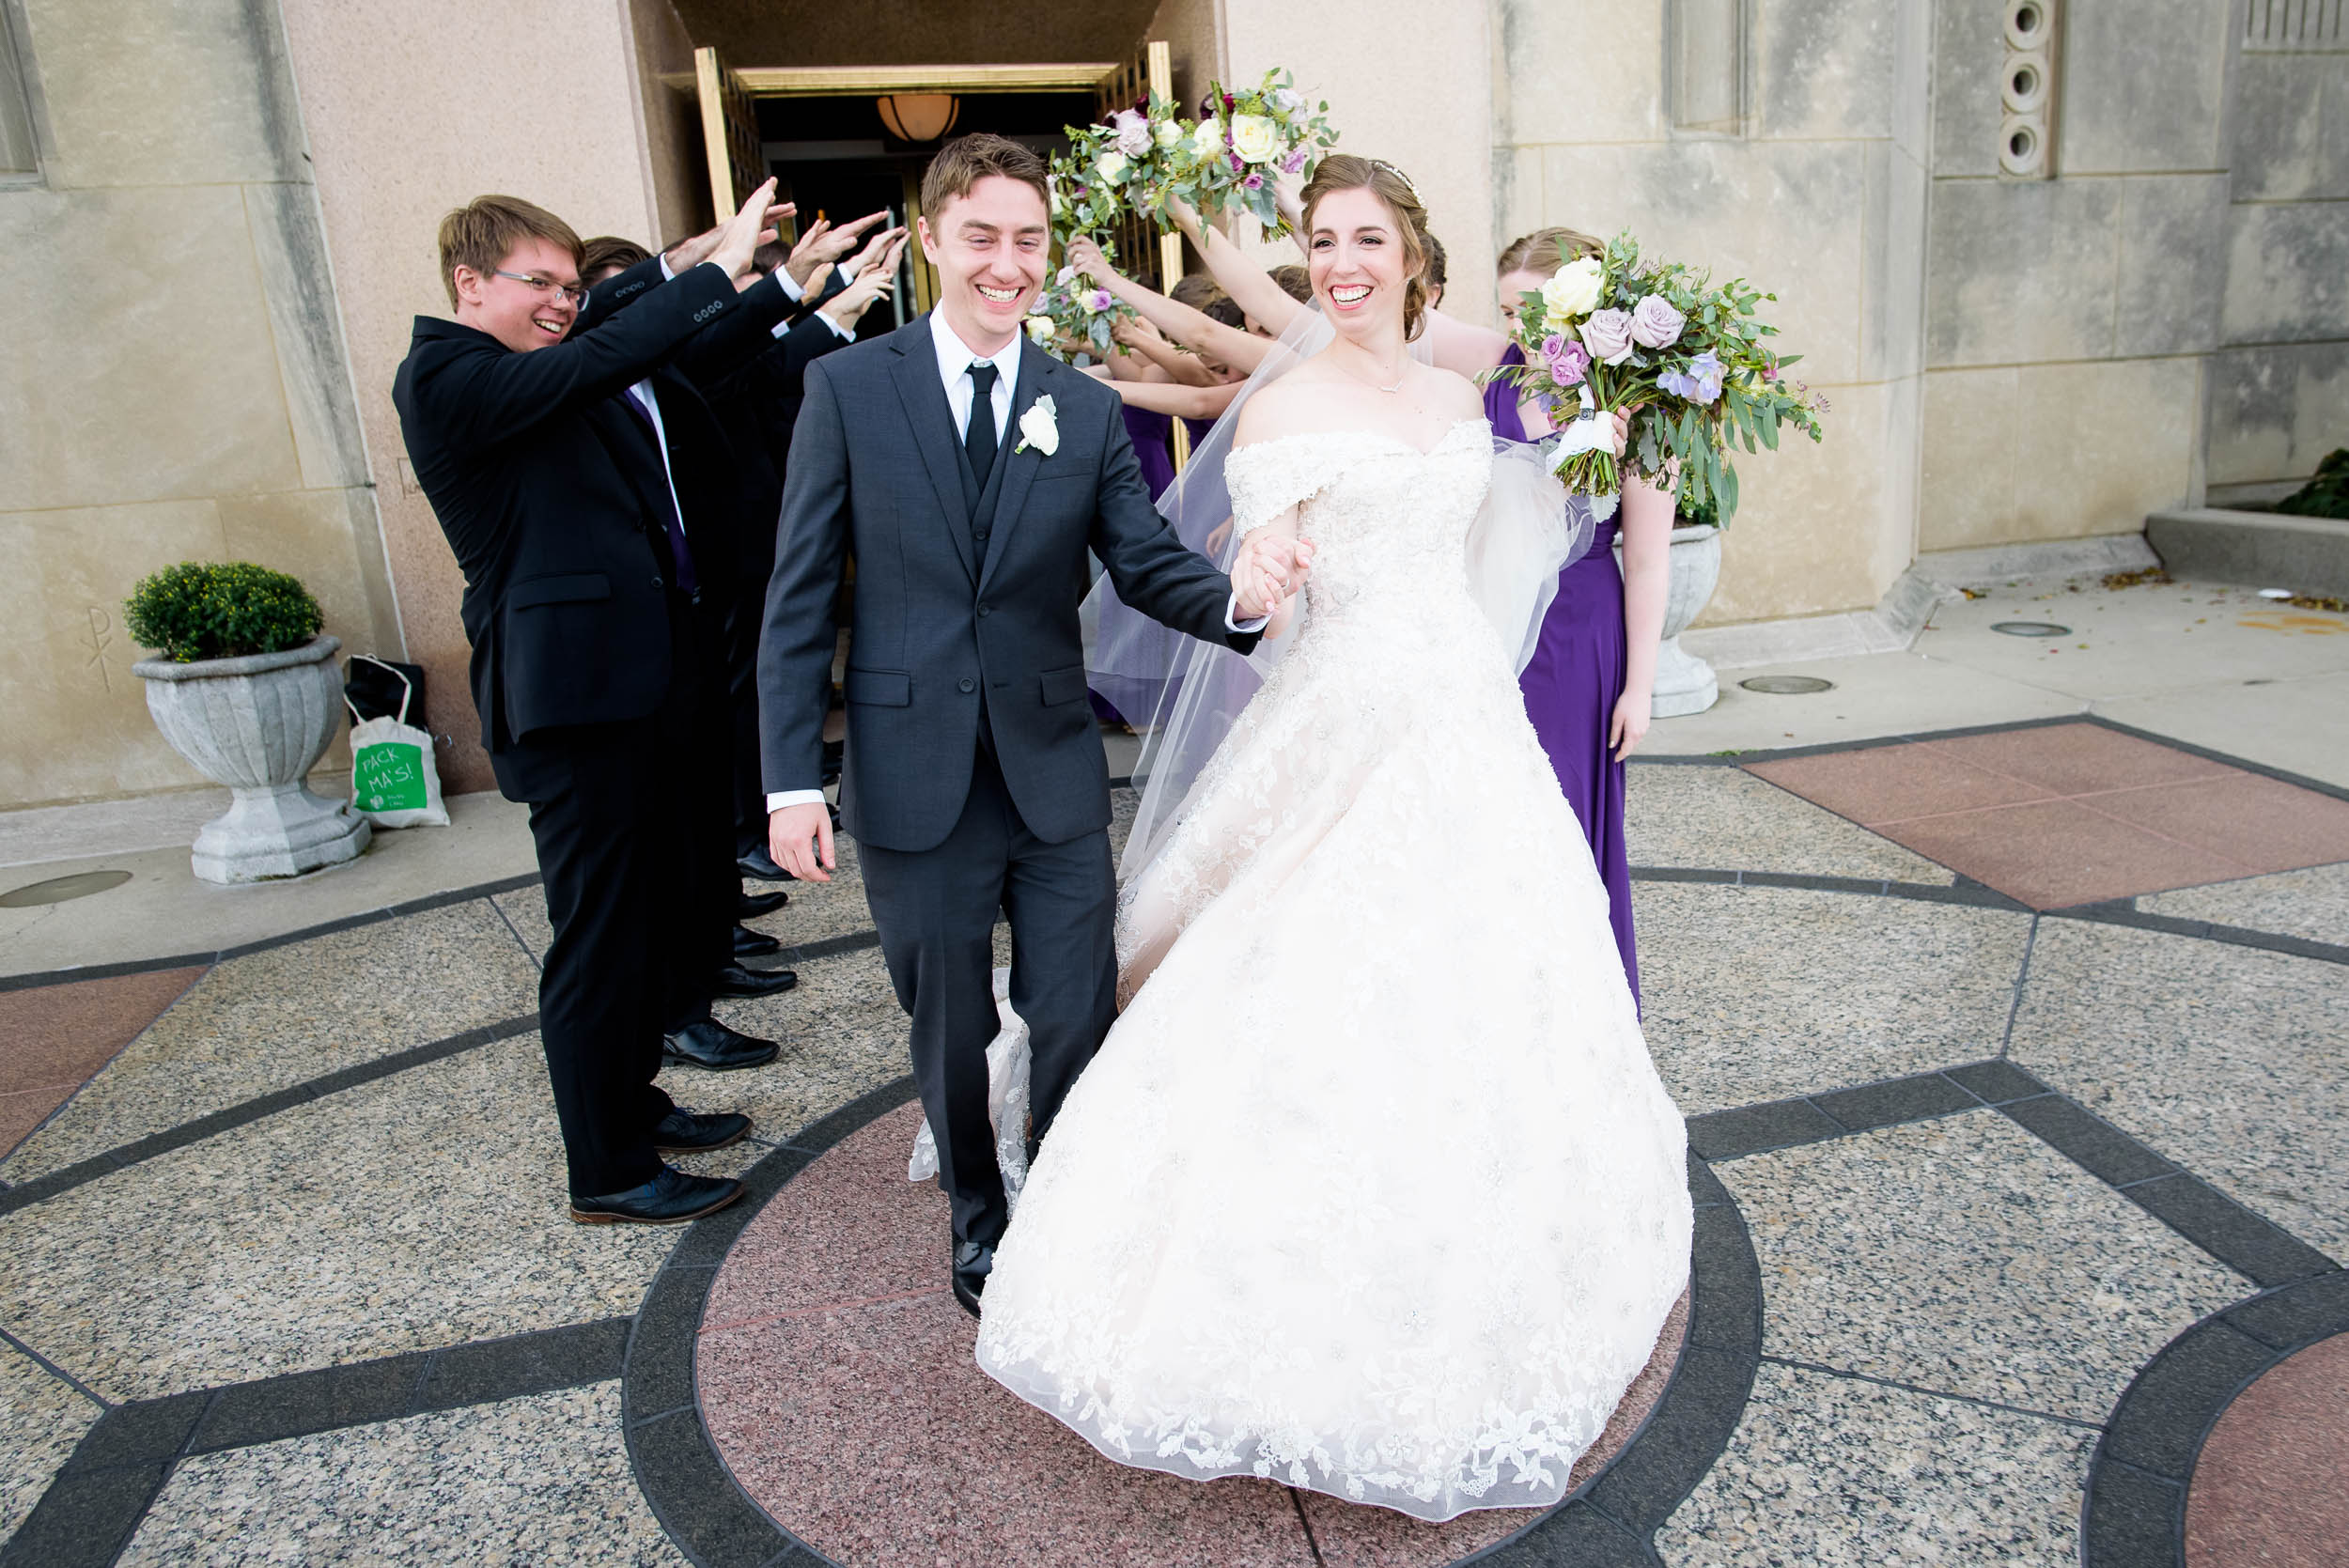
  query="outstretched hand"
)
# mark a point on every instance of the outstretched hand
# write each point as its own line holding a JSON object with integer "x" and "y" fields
{"x": 1270, "y": 570}
{"x": 740, "y": 236}
{"x": 827, "y": 241}
{"x": 790, "y": 831}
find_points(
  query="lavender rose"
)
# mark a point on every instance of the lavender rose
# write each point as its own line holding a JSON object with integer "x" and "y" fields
{"x": 1133, "y": 133}
{"x": 1608, "y": 336}
{"x": 1656, "y": 324}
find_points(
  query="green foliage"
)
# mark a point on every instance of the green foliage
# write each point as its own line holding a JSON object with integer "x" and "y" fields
{"x": 2328, "y": 494}
{"x": 202, "y": 610}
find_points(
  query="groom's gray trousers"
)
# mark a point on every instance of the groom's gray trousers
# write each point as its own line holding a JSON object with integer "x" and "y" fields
{"x": 936, "y": 912}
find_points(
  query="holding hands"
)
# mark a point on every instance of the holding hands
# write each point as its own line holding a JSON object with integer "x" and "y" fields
{"x": 1271, "y": 569}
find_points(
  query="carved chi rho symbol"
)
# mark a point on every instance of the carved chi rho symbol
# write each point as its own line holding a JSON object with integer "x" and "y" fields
{"x": 100, "y": 637}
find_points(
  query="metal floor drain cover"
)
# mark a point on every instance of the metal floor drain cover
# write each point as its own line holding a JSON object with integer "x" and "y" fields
{"x": 59, "y": 889}
{"x": 2032, "y": 629}
{"x": 1788, "y": 686}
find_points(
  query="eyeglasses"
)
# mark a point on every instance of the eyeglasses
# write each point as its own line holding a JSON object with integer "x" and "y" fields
{"x": 575, "y": 292}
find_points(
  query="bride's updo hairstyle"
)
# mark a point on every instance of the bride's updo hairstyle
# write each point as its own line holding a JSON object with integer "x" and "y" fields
{"x": 1343, "y": 171}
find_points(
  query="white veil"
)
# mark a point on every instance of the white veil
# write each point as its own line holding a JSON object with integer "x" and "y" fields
{"x": 1528, "y": 531}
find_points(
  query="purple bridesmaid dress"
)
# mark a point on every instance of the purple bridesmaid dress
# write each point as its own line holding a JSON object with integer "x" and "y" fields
{"x": 1154, "y": 448}
{"x": 1571, "y": 687}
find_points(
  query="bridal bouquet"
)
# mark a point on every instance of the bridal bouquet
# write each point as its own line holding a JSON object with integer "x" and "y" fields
{"x": 1227, "y": 159}
{"x": 1072, "y": 316}
{"x": 1659, "y": 338}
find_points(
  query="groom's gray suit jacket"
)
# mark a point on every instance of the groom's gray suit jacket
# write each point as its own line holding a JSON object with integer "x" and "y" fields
{"x": 965, "y": 600}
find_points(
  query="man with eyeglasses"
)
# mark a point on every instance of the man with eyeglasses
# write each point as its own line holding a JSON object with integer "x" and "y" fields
{"x": 589, "y": 667}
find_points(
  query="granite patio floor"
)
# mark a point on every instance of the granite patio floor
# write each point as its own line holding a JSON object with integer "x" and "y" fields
{"x": 2004, "y": 1202}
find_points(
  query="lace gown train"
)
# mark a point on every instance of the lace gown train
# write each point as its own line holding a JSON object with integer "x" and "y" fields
{"x": 1373, "y": 1188}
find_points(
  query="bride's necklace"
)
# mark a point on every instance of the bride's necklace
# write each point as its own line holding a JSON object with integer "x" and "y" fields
{"x": 1375, "y": 387}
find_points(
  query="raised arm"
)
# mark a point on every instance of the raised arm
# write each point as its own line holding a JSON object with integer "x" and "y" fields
{"x": 1249, "y": 286}
{"x": 1195, "y": 329}
{"x": 1183, "y": 402}
{"x": 1143, "y": 344}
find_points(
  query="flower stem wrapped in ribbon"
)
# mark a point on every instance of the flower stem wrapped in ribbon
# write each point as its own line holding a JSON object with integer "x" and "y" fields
{"x": 1660, "y": 339}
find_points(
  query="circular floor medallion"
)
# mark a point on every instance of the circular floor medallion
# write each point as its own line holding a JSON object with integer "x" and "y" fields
{"x": 2271, "y": 1485}
{"x": 2032, "y": 629}
{"x": 1788, "y": 686}
{"x": 59, "y": 890}
{"x": 836, "y": 1381}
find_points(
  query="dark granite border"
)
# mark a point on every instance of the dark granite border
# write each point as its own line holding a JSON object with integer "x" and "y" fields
{"x": 1608, "y": 1521}
{"x": 2132, "y": 1514}
{"x": 95, "y": 1503}
{"x": 2251, "y": 1245}
{"x": 349, "y": 923}
{"x": 244, "y": 1112}
{"x": 2124, "y": 911}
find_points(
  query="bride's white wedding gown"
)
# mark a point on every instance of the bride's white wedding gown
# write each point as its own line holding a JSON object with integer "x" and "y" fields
{"x": 1373, "y": 1188}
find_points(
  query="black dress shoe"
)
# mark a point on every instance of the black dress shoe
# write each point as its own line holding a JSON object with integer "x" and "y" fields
{"x": 707, "y": 1042}
{"x": 684, "y": 1132}
{"x": 753, "y": 905}
{"x": 754, "y": 944}
{"x": 759, "y": 867}
{"x": 671, "y": 1198}
{"x": 736, "y": 981}
{"x": 973, "y": 1262}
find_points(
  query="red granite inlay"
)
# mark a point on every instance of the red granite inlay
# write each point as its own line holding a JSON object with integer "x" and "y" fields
{"x": 2271, "y": 1489}
{"x": 838, "y": 1385}
{"x": 2073, "y": 814}
{"x": 53, "y": 1037}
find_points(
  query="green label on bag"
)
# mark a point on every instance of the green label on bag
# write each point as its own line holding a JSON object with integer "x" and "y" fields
{"x": 389, "y": 776}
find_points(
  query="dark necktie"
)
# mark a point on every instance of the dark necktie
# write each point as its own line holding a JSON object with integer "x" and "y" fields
{"x": 680, "y": 554}
{"x": 979, "y": 438}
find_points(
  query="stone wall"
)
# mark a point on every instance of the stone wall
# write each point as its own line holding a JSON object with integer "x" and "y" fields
{"x": 2279, "y": 382}
{"x": 174, "y": 385}
{"x": 1784, "y": 140}
{"x": 413, "y": 107}
{"x": 2068, "y": 317}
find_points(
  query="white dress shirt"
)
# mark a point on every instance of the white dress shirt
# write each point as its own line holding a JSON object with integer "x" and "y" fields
{"x": 954, "y": 359}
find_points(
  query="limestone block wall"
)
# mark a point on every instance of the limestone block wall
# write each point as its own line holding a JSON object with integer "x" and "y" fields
{"x": 2280, "y": 381}
{"x": 413, "y": 107}
{"x": 2068, "y": 319}
{"x": 174, "y": 385}
{"x": 1784, "y": 140}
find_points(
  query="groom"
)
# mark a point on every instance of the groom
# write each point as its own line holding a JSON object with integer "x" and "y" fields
{"x": 969, "y": 472}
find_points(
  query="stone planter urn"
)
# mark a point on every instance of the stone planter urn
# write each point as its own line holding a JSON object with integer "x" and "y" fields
{"x": 1684, "y": 682}
{"x": 256, "y": 724}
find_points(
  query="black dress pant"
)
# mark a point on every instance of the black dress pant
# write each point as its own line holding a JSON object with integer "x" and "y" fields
{"x": 623, "y": 817}
{"x": 935, "y": 909}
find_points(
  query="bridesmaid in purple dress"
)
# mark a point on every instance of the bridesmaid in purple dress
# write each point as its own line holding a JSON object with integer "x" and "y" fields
{"x": 1593, "y": 675}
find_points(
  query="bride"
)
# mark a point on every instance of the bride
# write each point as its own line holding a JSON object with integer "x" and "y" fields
{"x": 1373, "y": 1188}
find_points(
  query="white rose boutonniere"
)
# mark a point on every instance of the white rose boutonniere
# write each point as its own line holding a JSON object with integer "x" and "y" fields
{"x": 1039, "y": 427}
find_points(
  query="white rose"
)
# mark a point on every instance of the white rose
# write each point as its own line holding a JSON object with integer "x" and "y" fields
{"x": 1573, "y": 290}
{"x": 1207, "y": 136}
{"x": 1111, "y": 167}
{"x": 1287, "y": 100}
{"x": 1255, "y": 138}
{"x": 1039, "y": 428}
{"x": 1168, "y": 133}
{"x": 1040, "y": 327}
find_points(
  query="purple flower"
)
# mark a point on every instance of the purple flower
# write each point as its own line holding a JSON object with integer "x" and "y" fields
{"x": 1569, "y": 365}
{"x": 1552, "y": 345}
{"x": 1254, "y": 181}
{"x": 1100, "y": 300}
{"x": 1295, "y": 162}
{"x": 1655, "y": 324}
{"x": 1133, "y": 133}
{"x": 1607, "y": 333}
{"x": 1702, "y": 385}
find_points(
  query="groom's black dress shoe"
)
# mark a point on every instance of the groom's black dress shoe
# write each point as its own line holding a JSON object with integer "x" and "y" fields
{"x": 734, "y": 980}
{"x": 753, "y": 905}
{"x": 754, "y": 944}
{"x": 707, "y": 1042}
{"x": 686, "y": 1132}
{"x": 973, "y": 1262}
{"x": 671, "y": 1198}
{"x": 761, "y": 866}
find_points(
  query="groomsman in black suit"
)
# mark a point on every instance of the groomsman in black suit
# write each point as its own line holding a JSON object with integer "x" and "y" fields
{"x": 592, "y": 666}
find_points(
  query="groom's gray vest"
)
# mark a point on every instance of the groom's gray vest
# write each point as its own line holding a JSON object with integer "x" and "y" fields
{"x": 964, "y": 605}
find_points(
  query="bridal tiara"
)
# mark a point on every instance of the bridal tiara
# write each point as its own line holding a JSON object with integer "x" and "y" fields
{"x": 1400, "y": 175}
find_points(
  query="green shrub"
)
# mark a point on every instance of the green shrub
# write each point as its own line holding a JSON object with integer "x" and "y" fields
{"x": 2328, "y": 494}
{"x": 199, "y": 609}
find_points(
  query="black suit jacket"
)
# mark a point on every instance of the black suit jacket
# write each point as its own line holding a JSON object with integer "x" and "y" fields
{"x": 876, "y": 467}
{"x": 554, "y": 499}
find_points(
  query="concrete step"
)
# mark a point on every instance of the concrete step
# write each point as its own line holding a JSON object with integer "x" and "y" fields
{"x": 2263, "y": 550}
